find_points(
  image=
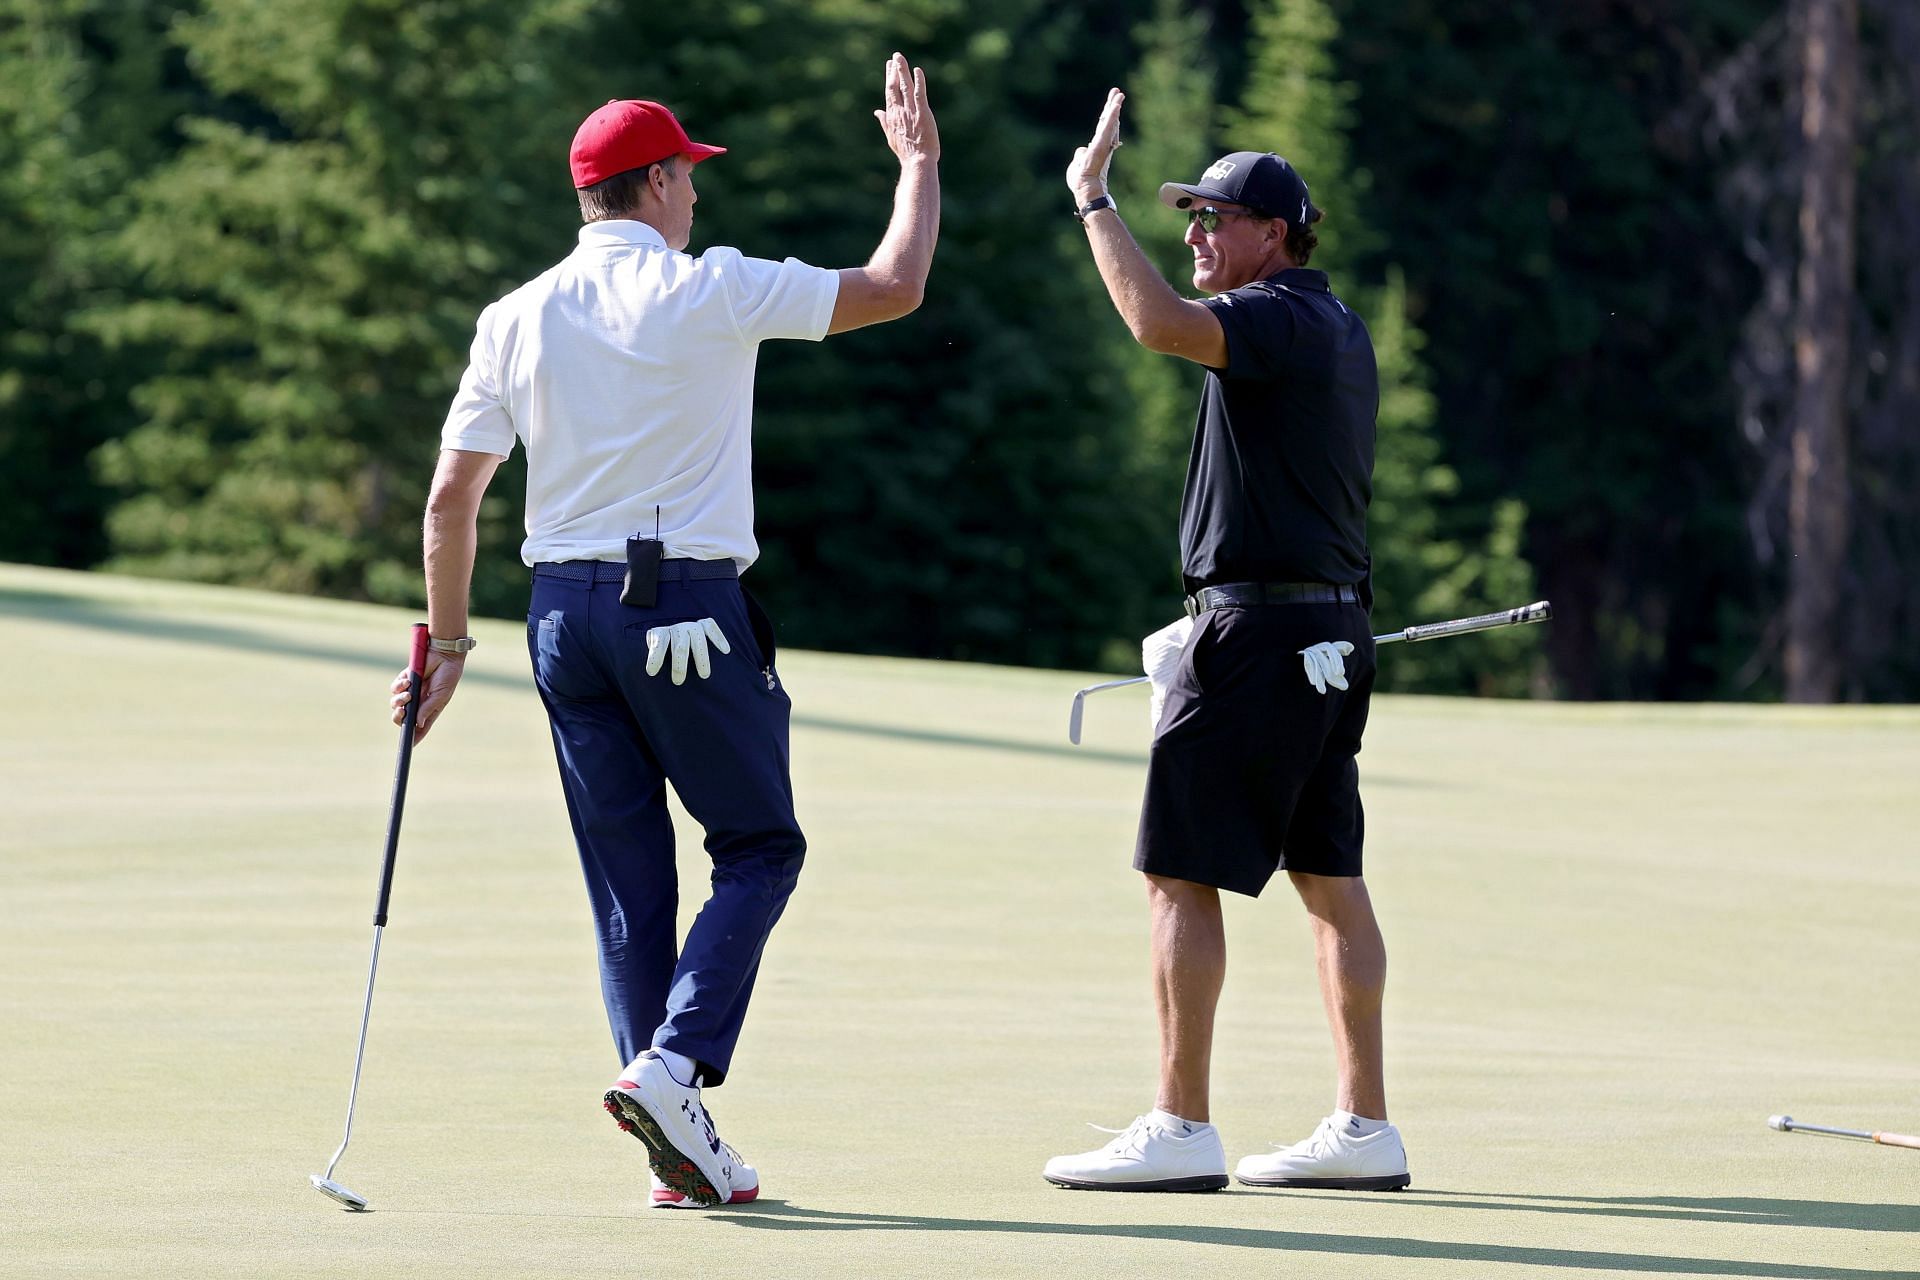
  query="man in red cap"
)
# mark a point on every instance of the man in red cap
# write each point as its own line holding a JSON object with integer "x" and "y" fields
{"x": 627, "y": 371}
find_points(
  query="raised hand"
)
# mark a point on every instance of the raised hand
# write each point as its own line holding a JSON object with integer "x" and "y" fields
{"x": 907, "y": 120}
{"x": 1087, "y": 175}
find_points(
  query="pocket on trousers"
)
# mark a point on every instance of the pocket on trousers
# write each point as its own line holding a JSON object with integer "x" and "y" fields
{"x": 762, "y": 627}
{"x": 1199, "y": 650}
{"x": 544, "y": 643}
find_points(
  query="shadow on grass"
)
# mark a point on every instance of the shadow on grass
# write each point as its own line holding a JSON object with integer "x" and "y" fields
{"x": 1744, "y": 1210}
{"x": 777, "y": 1215}
{"x": 97, "y": 615}
{"x": 83, "y": 611}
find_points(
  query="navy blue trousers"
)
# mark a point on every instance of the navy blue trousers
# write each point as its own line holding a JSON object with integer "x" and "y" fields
{"x": 621, "y": 736}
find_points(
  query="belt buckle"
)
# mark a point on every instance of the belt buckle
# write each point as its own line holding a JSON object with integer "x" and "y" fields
{"x": 1192, "y": 605}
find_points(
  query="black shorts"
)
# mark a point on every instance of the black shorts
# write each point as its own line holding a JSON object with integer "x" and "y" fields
{"x": 1252, "y": 771}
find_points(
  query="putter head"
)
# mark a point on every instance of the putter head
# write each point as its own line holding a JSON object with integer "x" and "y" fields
{"x": 334, "y": 1191}
{"x": 1073, "y": 720}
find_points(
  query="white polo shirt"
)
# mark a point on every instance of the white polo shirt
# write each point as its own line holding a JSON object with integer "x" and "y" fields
{"x": 628, "y": 371}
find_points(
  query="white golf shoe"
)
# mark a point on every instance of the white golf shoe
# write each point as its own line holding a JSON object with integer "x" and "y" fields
{"x": 686, "y": 1155}
{"x": 1154, "y": 1153}
{"x": 1333, "y": 1158}
{"x": 743, "y": 1183}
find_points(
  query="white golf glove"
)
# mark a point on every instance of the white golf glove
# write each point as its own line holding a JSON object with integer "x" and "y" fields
{"x": 1160, "y": 658}
{"x": 1324, "y": 665}
{"x": 684, "y": 638}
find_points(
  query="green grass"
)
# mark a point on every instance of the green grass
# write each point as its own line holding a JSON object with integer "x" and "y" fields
{"x": 1621, "y": 936}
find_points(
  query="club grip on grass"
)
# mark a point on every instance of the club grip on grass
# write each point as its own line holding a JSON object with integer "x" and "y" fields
{"x": 416, "y": 666}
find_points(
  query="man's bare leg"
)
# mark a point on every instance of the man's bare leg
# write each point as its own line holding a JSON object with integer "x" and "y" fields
{"x": 1189, "y": 968}
{"x": 1352, "y": 959}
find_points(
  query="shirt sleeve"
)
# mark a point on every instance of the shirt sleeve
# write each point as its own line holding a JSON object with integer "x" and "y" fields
{"x": 478, "y": 420}
{"x": 1260, "y": 330}
{"x": 776, "y": 299}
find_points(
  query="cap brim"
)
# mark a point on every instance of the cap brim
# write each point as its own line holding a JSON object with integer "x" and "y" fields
{"x": 701, "y": 151}
{"x": 1181, "y": 195}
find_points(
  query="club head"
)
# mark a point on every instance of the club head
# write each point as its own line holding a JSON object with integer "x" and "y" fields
{"x": 334, "y": 1191}
{"x": 1073, "y": 720}
{"x": 1779, "y": 1122}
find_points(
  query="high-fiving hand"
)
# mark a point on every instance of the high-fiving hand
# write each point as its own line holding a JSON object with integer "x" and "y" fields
{"x": 907, "y": 120}
{"x": 1087, "y": 175}
{"x": 683, "y": 639}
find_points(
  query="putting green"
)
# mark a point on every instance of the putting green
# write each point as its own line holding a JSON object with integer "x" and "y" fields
{"x": 1620, "y": 937}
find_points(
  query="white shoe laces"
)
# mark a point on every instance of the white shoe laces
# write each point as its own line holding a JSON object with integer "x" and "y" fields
{"x": 1124, "y": 1141}
{"x": 1317, "y": 1143}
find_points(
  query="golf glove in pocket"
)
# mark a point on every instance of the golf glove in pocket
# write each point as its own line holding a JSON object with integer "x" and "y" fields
{"x": 1324, "y": 665}
{"x": 1160, "y": 658}
{"x": 685, "y": 638}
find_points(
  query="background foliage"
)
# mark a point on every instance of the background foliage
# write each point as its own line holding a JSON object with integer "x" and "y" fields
{"x": 247, "y": 240}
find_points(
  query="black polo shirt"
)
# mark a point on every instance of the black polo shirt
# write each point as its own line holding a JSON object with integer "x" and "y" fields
{"x": 1282, "y": 465}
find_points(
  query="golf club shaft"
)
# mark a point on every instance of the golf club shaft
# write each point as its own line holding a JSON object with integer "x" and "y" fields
{"x": 1879, "y": 1136}
{"x": 1538, "y": 611}
{"x": 416, "y": 674}
{"x": 353, "y": 1092}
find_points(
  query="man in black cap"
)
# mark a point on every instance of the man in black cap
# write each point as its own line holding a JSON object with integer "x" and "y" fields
{"x": 1252, "y": 768}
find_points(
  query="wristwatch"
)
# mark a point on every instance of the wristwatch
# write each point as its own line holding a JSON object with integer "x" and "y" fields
{"x": 1094, "y": 206}
{"x": 465, "y": 644}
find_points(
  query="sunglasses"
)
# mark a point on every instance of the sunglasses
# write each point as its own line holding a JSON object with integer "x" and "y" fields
{"x": 1209, "y": 217}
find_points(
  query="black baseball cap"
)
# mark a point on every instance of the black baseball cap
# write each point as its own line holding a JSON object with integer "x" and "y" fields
{"x": 1259, "y": 180}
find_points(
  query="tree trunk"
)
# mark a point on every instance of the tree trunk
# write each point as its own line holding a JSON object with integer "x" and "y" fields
{"x": 1818, "y": 509}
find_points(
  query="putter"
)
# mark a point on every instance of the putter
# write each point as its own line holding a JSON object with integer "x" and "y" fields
{"x": 1538, "y": 611}
{"x": 1787, "y": 1124}
{"x": 416, "y": 670}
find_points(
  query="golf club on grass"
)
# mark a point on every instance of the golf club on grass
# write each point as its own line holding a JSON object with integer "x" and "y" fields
{"x": 1787, "y": 1124}
{"x": 416, "y": 670}
{"x": 1538, "y": 611}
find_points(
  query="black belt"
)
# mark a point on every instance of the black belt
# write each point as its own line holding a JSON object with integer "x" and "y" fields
{"x": 1231, "y": 594}
{"x": 616, "y": 570}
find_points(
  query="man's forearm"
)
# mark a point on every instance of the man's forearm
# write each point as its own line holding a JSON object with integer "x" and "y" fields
{"x": 905, "y": 254}
{"x": 1139, "y": 292}
{"x": 449, "y": 540}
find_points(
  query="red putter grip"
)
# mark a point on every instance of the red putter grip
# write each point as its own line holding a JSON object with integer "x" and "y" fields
{"x": 417, "y": 661}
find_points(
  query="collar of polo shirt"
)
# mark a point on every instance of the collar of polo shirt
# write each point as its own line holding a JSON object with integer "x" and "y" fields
{"x": 620, "y": 231}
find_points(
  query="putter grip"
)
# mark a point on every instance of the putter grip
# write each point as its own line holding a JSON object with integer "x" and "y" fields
{"x": 417, "y": 662}
{"x": 1897, "y": 1140}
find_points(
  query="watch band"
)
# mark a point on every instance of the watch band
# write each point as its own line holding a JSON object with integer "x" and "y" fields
{"x": 465, "y": 644}
{"x": 1094, "y": 206}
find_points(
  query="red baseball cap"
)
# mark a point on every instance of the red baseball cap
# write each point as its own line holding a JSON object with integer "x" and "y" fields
{"x": 627, "y": 135}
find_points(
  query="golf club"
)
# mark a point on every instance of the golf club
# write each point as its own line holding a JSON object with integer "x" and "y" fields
{"x": 416, "y": 670}
{"x": 1538, "y": 611}
{"x": 1787, "y": 1124}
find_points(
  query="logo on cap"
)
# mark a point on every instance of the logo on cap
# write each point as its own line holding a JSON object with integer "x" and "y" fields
{"x": 1220, "y": 169}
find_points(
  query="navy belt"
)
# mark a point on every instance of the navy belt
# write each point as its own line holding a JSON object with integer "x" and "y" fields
{"x": 616, "y": 570}
{"x": 1232, "y": 594}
